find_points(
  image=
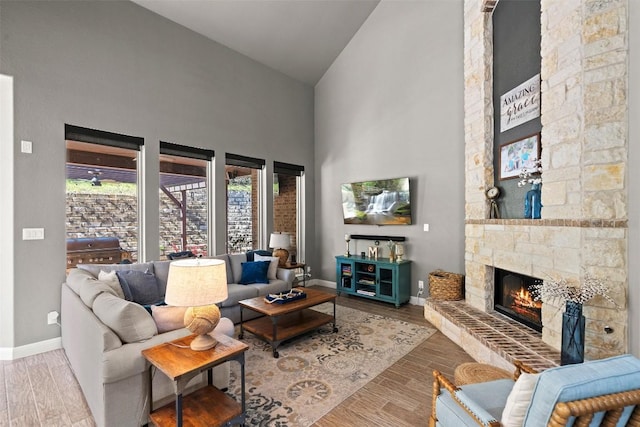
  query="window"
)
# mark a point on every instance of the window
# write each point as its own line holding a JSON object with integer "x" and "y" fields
{"x": 244, "y": 218}
{"x": 184, "y": 199}
{"x": 102, "y": 196}
{"x": 286, "y": 203}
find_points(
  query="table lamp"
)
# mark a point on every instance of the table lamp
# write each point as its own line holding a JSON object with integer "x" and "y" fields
{"x": 280, "y": 242}
{"x": 198, "y": 284}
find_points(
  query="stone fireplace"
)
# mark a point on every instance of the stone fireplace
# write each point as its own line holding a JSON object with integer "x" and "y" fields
{"x": 583, "y": 229}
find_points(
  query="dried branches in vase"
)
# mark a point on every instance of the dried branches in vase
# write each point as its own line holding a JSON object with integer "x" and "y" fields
{"x": 563, "y": 290}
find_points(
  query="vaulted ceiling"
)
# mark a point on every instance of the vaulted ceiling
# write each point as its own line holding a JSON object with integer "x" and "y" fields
{"x": 300, "y": 38}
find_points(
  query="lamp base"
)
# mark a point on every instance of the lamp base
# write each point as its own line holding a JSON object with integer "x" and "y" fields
{"x": 203, "y": 342}
{"x": 283, "y": 255}
{"x": 200, "y": 321}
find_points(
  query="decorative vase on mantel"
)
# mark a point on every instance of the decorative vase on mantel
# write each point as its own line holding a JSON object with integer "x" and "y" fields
{"x": 573, "y": 323}
{"x": 533, "y": 202}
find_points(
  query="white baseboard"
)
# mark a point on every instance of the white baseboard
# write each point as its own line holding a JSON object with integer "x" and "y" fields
{"x": 12, "y": 353}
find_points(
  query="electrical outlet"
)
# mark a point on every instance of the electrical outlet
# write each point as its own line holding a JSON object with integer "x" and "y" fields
{"x": 52, "y": 317}
{"x": 421, "y": 285}
{"x": 308, "y": 269}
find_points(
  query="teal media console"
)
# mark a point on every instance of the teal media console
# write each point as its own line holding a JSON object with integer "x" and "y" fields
{"x": 378, "y": 279}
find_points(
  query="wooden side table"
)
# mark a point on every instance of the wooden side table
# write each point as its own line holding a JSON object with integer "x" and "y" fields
{"x": 296, "y": 266}
{"x": 207, "y": 406}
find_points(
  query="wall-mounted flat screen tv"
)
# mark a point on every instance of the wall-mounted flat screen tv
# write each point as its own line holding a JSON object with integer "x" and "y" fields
{"x": 380, "y": 202}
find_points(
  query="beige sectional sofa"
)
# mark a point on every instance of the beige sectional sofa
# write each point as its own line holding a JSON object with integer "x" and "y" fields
{"x": 103, "y": 335}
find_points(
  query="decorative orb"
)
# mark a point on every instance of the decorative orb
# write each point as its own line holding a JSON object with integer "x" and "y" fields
{"x": 201, "y": 320}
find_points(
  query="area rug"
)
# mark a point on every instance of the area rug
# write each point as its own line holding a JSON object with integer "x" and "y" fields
{"x": 317, "y": 371}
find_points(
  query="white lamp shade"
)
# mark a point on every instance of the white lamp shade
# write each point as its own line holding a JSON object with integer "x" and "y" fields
{"x": 280, "y": 240}
{"x": 196, "y": 282}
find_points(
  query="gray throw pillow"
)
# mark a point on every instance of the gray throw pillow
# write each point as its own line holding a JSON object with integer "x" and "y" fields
{"x": 130, "y": 321}
{"x": 89, "y": 292}
{"x": 139, "y": 286}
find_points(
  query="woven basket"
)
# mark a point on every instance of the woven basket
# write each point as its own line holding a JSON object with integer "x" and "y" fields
{"x": 445, "y": 286}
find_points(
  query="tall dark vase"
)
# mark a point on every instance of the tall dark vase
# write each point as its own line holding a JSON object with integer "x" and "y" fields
{"x": 572, "y": 334}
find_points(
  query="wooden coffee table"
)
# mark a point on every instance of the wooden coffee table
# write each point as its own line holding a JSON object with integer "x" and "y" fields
{"x": 284, "y": 321}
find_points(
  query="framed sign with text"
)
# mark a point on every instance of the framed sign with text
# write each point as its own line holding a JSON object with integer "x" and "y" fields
{"x": 520, "y": 104}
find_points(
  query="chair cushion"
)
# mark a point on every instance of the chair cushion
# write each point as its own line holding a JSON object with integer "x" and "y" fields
{"x": 519, "y": 400}
{"x": 581, "y": 381}
{"x": 486, "y": 399}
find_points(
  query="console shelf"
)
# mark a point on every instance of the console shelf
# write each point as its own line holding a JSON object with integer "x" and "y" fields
{"x": 379, "y": 279}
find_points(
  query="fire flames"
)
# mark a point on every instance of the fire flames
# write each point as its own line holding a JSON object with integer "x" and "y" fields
{"x": 525, "y": 305}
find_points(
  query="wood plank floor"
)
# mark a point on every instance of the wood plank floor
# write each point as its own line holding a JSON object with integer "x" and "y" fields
{"x": 41, "y": 390}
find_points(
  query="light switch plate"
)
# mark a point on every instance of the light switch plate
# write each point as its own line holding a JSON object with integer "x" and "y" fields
{"x": 33, "y": 234}
{"x": 26, "y": 147}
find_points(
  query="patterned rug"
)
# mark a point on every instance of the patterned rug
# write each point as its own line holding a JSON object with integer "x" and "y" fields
{"x": 317, "y": 371}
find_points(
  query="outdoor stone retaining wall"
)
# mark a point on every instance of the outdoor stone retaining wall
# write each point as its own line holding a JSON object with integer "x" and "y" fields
{"x": 113, "y": 215}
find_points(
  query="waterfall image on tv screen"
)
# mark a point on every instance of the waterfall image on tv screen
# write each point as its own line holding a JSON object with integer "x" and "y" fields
{"x": 381, "y": 202}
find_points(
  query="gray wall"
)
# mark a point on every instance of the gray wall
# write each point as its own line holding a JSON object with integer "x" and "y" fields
{"x": 516, "y": 58}
{"x": 117, "y": 67}
{"x": 634, "y": 178}
{"x": 391, "y": 105}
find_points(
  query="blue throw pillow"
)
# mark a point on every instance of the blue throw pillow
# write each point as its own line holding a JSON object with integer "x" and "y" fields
{"x": 139, "y": 286}
{"x": 254, "y": 272}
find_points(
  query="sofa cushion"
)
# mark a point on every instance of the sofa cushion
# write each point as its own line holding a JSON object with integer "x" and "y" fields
{"x": 273, "y": 287}
{"x": 96, "y": 268}
{"x": 487, "y": 398}
{"x": 236, "y": 261}
{"x": 111, "y": 279}
{"x": 273, "y": 265}
{"x": 254, "y": 272}
{"x": 139, "y": 286}
{"x": 227, "y": 264}
{"x": 77, "y": 278}
{"x": 251, "y": 254}
{"x": 161, "y": 271}
{"x": 581, "y": 381}
{"x": 90, "y": 291}
{"x": 130, "y": 321}
{"x": 237, "y": 293}
{"x": 168, "y": 317}
{"x": 519, "y": 400}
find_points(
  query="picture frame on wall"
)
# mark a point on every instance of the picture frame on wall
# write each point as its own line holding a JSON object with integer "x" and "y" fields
{"x": 518, "y": 154}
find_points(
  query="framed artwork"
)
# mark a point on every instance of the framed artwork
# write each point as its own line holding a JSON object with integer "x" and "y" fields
{"x": 518, "y": 154}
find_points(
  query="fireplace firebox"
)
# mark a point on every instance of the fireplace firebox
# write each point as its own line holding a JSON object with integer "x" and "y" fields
{"x": 514, "y": 299}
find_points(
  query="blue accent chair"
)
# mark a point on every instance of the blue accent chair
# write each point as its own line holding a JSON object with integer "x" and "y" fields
{"x": 602, "y": 392}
